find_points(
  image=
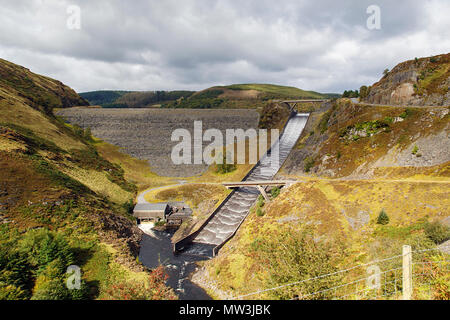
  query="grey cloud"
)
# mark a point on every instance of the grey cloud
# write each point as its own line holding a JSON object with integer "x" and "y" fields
{"x": 317, "y": 45}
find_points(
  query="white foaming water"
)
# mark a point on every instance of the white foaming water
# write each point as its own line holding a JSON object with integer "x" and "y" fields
{"x": 233, "y": 212}
{"x": 147, "y": 227}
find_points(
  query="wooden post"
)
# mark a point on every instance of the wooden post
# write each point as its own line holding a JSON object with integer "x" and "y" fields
{"x": 407, "y": 273}
{"x": 263, "y": 192}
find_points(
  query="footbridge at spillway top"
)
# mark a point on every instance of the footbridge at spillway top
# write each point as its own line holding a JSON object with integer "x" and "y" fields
{"x": 228, "y": 217}
{"x": 292, "y": 104}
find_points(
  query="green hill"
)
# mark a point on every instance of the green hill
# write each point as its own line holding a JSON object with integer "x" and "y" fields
{"x": 242, "y": 96}
{"x": 39, "y": 92}
{"x": 232, "y": 96}
{"x": 276, "y": 91}
{"x": 103, "y": 97}
{"x": 61, "y": 203}
{"x": 132, "y": 99}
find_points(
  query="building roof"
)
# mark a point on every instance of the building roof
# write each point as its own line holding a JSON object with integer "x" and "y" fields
{"x": 149, "y": 207}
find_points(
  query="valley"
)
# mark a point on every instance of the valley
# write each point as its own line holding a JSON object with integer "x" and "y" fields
{"x": 72, "y": 173}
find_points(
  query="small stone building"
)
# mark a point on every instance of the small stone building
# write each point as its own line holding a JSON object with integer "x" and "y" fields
{"x": 151, "y": 211}
{"x": 174, "y": 213}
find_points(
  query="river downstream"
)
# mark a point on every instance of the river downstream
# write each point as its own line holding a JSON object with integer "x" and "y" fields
{"x": 156, "y": 249}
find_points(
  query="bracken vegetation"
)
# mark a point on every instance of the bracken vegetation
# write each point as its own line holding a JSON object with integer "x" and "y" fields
{"x": 61, "y": 202}
{"x": 291, "y": 256}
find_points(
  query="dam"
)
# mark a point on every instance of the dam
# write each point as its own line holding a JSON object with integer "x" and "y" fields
{"x": 225, "y": 221}
{"x": 145, "y": 133}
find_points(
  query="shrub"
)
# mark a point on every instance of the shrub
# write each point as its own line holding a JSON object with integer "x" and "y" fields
{"x": 160, "y": 223}
{"x": 383, "y": 218}
{"x": 88, "y": 135}
{"x": 79, "y": 132}
{"x": 153, "y": 289}
{"x": 50, "y": 284}
{"x": 350, "y": 94}
{"x": 415, "y": 150}
{"x": 260, "y": 212}
{"x": 35, "y": 267}
{"x": 363, "y": 92}
{"x": 323, "y": 124}
{"x": 260, "y": 202}
{"x": 388, "y": 120}
{"x": 437, "y": 232}
{"x": 225, "y": 167}
{"x": 405, "y": 114}
{"x": 43, "y": 247}
{"x": 275, "y": 192}
{"x": 15, "y": 273}
{"x": 293, "y": 255}
{"x": 129, "y": 206}
{"x": 11, "y": 292}
{"x": 308, "y": 164}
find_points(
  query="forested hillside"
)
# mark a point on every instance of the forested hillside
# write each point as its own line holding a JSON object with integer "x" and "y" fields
{"x": 233, "y": 96}
{"x": 132, "y": 99}
{"x": 242, "y": 96}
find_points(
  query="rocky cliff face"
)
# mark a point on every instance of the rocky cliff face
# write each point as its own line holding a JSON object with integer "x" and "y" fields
{"x": 418, "y": 82}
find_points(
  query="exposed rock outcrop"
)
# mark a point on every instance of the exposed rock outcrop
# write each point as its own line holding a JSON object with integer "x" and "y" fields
{"x": 419, "y": 82}
{"x": 355, "y": 141}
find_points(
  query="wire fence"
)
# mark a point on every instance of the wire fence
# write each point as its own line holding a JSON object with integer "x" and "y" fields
{"x": 419, "y": 274}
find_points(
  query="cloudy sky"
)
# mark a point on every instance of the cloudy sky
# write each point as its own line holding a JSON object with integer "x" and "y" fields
{"x": 321, "y": 45}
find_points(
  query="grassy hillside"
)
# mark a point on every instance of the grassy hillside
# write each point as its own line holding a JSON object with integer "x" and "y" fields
{"x": 368, "y": 141}
{"x": 61, "y": 202}
{"x": 233, "y": 96}
{"x": 271, "y": 91}
{"x": 39, "y": 92}
{"x": 242, "y": 96}
{"x": 355, "y": 162}
{"x": 320, "y": 227}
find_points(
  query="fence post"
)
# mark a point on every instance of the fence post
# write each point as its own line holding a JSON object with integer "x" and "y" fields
{"x": 407, "y": 273}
